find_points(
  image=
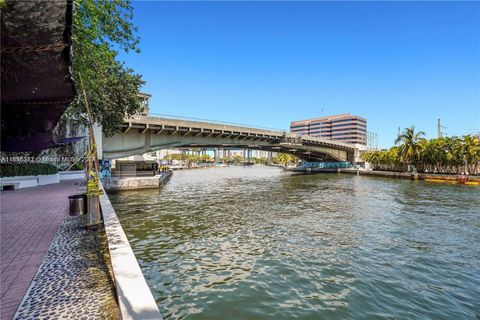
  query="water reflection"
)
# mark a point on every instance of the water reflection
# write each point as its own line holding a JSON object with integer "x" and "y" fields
{"x": 256, "y": 243}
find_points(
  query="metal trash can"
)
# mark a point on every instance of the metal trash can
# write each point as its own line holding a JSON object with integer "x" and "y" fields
{"x": 78, "y": 204}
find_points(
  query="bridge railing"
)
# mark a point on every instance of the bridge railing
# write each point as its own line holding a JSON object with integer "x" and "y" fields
{"x": 174, "y": 117}
{"x": 326, "y": 165}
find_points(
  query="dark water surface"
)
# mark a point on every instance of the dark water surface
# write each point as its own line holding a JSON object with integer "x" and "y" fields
{"x": 260, "y": 243}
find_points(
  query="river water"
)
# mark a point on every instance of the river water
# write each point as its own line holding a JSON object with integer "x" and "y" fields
{"x": 261, "y": 243}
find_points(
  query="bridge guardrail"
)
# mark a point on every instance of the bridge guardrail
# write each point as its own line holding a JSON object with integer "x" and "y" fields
{"x": 173, "y": 117}
{"x": 326, "y": 165}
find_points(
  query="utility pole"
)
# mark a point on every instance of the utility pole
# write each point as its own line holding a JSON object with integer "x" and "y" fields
{"x": 439, "y": 129}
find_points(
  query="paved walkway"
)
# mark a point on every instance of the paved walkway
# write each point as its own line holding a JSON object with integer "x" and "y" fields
{"x": 74, "y": 279}
{"x": 29, "y": 220}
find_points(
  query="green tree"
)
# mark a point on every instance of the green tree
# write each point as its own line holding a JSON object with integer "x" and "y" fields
{"x": 285, "y": 159}
{"x": 441, "y": 155}
{"x": 408, "y": 145}
{"x": 237, "y": 159}
{"x": 471, "y": 151}
{"x": 383, "y": 159}
{"x": 430, "y": 155}
{"x": 101, "y": 28}
{"x": 262, "y": 160}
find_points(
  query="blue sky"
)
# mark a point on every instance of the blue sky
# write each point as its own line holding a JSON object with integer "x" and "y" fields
{"x": 267, "y": 63}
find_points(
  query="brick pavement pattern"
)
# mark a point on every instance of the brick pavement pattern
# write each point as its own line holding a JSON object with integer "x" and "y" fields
{"x": 29, "y": 219}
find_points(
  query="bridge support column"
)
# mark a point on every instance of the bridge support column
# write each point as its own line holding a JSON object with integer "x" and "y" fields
{"x": 351, "y": 155}
{"x": 148, "y": 143}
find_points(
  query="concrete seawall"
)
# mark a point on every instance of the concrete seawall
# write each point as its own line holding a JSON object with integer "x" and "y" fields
{"x": 469, "y": 180}
{"x": 135, "y": 299}
{"x": 387, "y": 174}
{"x": 452, "y": 178}
{"x": 136, "y": 183}
{"x": 433, "y": 177}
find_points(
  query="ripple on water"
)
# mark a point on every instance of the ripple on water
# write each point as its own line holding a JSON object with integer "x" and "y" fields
{"x": 256, "y": 243}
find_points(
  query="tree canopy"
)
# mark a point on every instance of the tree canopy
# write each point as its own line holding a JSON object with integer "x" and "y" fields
{"x": 188, "y": 157}
{"x": 102, "y": 28}
{"x": 440, "y": 155}
{"x": 408, "y": 145}
{"x": 284, "y": 159}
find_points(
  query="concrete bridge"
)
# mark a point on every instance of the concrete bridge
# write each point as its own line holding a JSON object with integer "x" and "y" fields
{"x": 141, "y": 134}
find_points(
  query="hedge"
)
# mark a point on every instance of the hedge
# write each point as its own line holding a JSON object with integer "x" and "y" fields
{"x": 26, "y": 169}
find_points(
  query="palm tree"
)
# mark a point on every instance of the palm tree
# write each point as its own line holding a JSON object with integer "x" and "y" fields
{"x": 439, "y": 155}
{"x": 430, "y": 155}
{"x": 471, "y": 145}
{"x": 286, "y": 159}
{"x": 408, "y": 145}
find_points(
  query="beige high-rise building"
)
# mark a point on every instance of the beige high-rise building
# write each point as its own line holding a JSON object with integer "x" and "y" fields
{"x": 342, "y": 127}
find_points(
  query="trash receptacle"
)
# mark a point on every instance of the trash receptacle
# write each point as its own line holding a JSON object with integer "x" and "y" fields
{"x": 78, "y": 204}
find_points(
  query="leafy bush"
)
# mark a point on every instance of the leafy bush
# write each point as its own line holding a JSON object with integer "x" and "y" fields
{"x": 78, "y": 166}
{"x": 26, "y": 169}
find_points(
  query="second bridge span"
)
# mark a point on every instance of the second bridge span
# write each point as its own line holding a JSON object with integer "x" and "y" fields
{"x": 142, "y": 134}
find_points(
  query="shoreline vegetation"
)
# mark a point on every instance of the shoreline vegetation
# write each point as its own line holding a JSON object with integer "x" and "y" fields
{"x": 198, "y": 160}
{"x": 413, "y": 153}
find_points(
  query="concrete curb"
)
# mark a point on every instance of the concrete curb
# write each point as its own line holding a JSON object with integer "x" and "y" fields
{"x": 134, "y": 296}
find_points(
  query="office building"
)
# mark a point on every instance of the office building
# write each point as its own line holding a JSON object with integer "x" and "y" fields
{"x": 341, "y": 127}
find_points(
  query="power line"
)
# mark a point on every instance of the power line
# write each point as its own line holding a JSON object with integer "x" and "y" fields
{"x": 463, "y": 129}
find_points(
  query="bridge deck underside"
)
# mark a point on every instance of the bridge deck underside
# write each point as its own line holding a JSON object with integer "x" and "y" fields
{"x": 138, "y": 138}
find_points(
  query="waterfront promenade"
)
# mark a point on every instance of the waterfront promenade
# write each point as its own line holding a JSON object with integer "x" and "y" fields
{"x": 30, "y": 219}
